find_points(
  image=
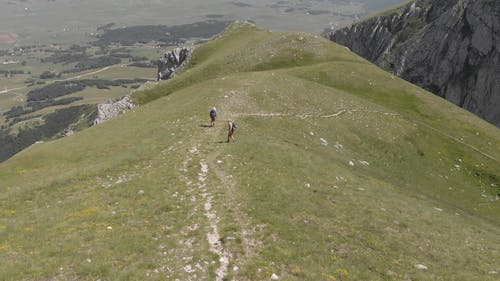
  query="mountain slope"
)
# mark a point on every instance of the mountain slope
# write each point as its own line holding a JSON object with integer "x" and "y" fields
{"x": 339, "y": 171}
{"x": 450, "y": 47}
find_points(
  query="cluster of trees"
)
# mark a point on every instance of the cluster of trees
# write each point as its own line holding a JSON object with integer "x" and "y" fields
{"x": 46, "y": 96}
{"x": 55, "y": 90}
{"x": 73, "y": 54}
{"x": 97, "y": 62}
{"x": 20, "y": 119}
{"x": 103, "y": 84}
{"x": 32, "y": 82}
{"x": 171, "y": 35}
{"x": 33, "y": 106}
{"x": 78, "y": 48}
{"x": 54, "y": 123}
{"x": 93, "y": 63}
{"x": 10, "y": 73}
{"x": 27, "y": 47}
{"x": 49, "y": 75}
{"x": 15, "y": 112}
{"x": 77, "y": 54}
{"x": 20, "y": 49}
{"x": 64, "y": 57}
{"x": 64, "y": 88}
{"x": 124, "y": 53}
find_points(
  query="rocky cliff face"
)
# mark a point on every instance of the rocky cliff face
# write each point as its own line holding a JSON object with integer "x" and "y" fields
{"x": 170, "y": 64}
{"x": 449, "y": 47}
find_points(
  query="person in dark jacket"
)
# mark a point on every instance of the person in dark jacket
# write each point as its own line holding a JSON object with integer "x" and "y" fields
{"x": 213, "y": 115}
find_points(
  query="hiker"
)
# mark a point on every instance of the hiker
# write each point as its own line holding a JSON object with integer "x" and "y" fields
{"x": 230, "y": 130}
{"x": 213, "y": 114}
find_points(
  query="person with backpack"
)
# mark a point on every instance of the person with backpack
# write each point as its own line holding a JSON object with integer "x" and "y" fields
{"x": 213, "y": 114}
{"x": 230, "y": 130}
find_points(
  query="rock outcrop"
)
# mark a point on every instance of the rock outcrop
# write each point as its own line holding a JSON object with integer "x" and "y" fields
{"x": 449, "y": 47}
{"x": 111, "y": 109}
{"x": 171, "y": 63}
{"x": 168, "y": 66}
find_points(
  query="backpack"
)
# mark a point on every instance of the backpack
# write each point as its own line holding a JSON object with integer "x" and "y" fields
{"x": 213, "y": 113}
{"x": 234, "y": 127}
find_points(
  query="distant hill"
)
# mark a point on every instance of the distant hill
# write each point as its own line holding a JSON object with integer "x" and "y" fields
{"x": 340, "y": 171}
{"x": 450, "y": 47}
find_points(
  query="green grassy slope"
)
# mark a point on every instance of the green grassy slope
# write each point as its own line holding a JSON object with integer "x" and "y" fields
{"x": 339, "y": 172}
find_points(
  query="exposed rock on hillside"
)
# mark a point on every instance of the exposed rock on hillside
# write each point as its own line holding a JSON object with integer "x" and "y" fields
{"x": 170, "y": 64}
{"x": 449, "y": 47}
{"x": 111, "y": 109}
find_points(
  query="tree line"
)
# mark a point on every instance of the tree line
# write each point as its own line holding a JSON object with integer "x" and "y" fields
{"x": 48, "y": 95}
{"x": 54, "y": 123}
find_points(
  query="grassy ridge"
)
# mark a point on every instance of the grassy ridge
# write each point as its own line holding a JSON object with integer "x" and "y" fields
{"x": 339, "y": 172}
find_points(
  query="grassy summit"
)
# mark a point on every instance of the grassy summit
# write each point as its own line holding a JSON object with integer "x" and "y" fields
{"x": 339, "y": 172}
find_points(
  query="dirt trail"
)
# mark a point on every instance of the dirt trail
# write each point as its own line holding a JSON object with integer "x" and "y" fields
{"x": 234, "y": 203}
{"x": 238, "y": 254}
{"x": 181, "y": 258}
{"x": 201, "y": 191}
{"x": 213, "y": 237}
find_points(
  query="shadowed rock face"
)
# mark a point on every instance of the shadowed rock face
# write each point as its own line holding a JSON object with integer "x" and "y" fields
{"x": 449, "y": 47}
{"x": 171, "y": 62}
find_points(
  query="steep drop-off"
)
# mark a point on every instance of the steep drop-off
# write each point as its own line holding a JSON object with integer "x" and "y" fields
{"x": 449, "y": 47}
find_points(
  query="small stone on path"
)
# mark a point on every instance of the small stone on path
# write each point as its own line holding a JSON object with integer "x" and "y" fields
{"x": 274, "y": 277}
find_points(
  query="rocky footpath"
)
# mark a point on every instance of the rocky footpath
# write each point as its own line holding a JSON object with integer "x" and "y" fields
{"x": 449, "y": 47}
{"x": 171, "y": 63}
